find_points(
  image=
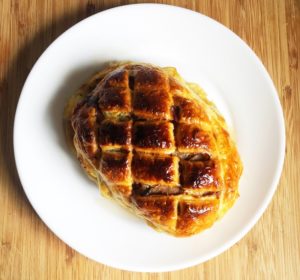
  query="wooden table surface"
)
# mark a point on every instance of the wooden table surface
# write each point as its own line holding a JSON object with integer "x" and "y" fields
{"x": 28, "y": 250}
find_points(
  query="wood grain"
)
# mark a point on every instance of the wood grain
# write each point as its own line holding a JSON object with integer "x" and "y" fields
{"x": 28, "y": 250}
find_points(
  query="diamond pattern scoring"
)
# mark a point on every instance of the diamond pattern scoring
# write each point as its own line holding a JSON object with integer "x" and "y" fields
{"x": 156, "y": 147}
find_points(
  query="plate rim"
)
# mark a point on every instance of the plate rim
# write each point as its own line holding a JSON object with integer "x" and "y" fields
{"x": 265, "y": 201}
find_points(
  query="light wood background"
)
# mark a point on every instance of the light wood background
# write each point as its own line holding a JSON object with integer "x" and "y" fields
{"x": 28, "y": 250}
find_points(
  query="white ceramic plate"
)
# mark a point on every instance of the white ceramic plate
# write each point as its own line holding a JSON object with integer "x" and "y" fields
{"x": 203, "y": 51}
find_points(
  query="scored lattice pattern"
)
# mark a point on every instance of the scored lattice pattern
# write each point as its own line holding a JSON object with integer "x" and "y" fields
{"x": 142, "y": 134}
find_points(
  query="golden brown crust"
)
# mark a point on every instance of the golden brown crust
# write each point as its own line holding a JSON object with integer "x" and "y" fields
{"x": 115, "y": 167}
{"x": 154, "y": 137}
{"x": 155, "y": 144}
{"x": 191, "y": 138}
{"x": 160, "y": 210}
{"x": 114, "y": 134}
{"x": 188, "y": 111}
{"x": 200, "y": 174}
{"x": 195, "y": 215}
{"x": 158, "y": 170}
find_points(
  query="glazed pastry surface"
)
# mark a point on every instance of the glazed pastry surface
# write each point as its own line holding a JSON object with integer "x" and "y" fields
{"x": 156, "y": 145}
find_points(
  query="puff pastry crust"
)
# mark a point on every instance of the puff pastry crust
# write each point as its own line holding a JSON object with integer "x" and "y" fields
{"x": 155, "y": 144}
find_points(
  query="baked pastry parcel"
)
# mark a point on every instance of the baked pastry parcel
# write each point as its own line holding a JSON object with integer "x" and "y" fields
{"x": 156, "y": 145}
